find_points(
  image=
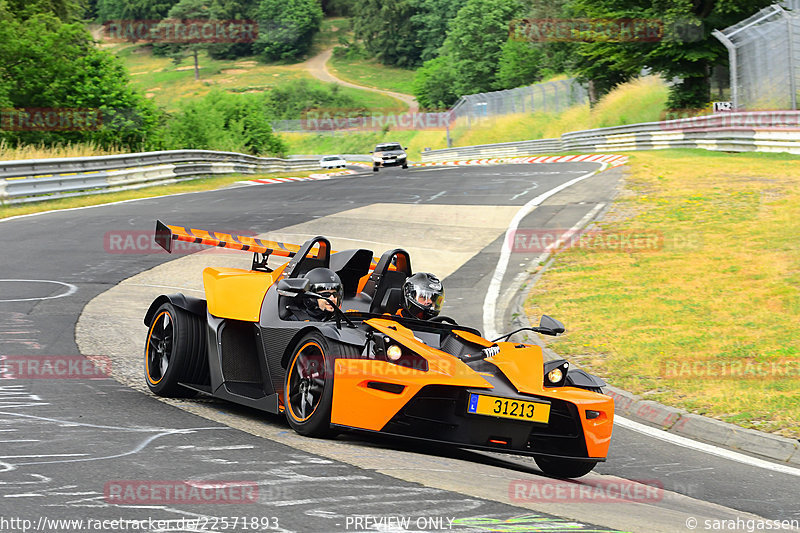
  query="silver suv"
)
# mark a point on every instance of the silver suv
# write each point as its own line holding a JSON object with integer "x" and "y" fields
{"x": 389, "y": 155}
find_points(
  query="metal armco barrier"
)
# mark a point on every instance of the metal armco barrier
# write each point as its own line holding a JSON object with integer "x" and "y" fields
{"x": 33, "y": 180}
{"x": 775, "y": 131}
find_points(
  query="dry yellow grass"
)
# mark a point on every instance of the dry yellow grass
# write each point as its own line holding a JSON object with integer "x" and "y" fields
{"x": 40, "y": 151}
{"x": 721, "y": 288}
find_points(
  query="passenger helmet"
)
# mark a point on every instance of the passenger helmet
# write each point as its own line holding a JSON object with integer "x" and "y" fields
{"x": 423, "y": 295}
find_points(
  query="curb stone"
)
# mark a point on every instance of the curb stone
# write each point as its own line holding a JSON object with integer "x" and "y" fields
{"x": 670, "y": 419}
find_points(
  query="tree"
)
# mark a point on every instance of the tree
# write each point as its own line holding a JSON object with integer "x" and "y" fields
{"x": 185, "y": 12}
{"x": 475, "y": 41}
{"x": 285, "y": 28}
{"x": 686, "y": 50}
{"x": 338, "y": 8}
{"x": 65, "y": 10}
{"x": 521, "y": 63}
{"x": 430, "y": 22}
{"x": 232, "y": 10}
{"x": 386, "y": 30}
{"x": 404, "y": 33}
{"x": 133, "y": 9}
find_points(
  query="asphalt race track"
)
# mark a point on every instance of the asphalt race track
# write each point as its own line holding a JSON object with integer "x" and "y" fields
{"x": 78, "y": 282}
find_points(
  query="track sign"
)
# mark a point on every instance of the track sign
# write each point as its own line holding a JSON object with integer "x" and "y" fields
{"x": 722, "y": 106}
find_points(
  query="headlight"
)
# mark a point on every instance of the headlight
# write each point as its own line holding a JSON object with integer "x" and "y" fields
{"x": 555, "y": 375}
{"x": 401, "y": 156}
{"x": 394, "y": 352}
{"x": 387, "y": 349}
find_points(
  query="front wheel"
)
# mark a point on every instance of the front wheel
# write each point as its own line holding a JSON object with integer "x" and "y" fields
{"x": 308, "y": 387}
{"x": 564, "y": 467}
{"x": 405, "y": 166}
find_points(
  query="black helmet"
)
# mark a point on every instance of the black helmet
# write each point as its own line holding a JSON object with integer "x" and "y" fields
{"x": 323, "y": 281}
{"x": 423, "y": 295}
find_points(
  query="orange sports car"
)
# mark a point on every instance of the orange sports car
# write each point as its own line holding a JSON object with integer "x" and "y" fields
{"x": 364, "y": 367}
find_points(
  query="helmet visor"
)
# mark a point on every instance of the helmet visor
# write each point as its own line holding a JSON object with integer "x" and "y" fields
{"x": 328, "y": 290}
{"x": 430, "y": 299}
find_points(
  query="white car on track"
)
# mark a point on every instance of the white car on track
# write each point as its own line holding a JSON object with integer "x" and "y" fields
{"x": 332, "y": 161}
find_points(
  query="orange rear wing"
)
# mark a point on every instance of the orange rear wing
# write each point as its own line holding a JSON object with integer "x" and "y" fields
{"x": 166, "y": 233}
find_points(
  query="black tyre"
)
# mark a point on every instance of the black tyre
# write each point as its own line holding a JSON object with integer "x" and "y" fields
{"x": 374, "y": 169}
{"x": 566, "y": 468}
{"x": 405, "y": 166}
{"x": 308, "y": 387}
{"x": 175, "y": 352}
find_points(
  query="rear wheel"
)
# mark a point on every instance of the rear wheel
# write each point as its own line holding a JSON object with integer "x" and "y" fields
{"x": 564, "y": 467}
{"x": 175, "y": 352}
{"x": 308, "y": 388}
{"x": 374, "y": 168}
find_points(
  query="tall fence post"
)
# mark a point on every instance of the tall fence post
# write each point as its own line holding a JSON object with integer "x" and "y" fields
{"x": 792, "y": 59}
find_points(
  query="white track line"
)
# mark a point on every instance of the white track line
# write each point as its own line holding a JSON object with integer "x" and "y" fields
{"x": 493, "y": 292}
{"x": 703, "y": 447}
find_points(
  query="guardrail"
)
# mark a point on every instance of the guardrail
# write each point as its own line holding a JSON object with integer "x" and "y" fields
{"x": 34, "y": 180}
{"x": 777, "y": 131}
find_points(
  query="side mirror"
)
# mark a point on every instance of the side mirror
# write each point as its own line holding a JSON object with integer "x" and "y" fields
{"x": 292, "y": 286}
{"x": 551, "y": 325}
{"x": 405, "y": 148}
{"x": 371, "y": 152}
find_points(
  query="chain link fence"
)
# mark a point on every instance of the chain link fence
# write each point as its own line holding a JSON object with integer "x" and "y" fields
{"x": 764, "y": 54}
{"x": 552, "y": 96}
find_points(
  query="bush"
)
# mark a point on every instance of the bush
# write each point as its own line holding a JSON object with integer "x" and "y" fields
{"x": 228, "y": 122}
{"x": 290, "y": 100}
{"x": 47, "y": 64}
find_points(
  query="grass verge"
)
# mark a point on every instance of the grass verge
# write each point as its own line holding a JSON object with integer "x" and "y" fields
{"x": 362, "y": 143}
{"x": 706, "y": 318}
{"x": 200, "y": 184}
{"x": 371, "y": 73}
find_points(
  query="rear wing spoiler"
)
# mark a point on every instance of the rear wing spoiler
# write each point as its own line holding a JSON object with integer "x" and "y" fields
{"x": 166, "y": 233}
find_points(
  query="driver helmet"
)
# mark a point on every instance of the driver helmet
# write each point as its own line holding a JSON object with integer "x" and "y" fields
{"x": 423, "y": 295}
{"x": 324, "y": 282}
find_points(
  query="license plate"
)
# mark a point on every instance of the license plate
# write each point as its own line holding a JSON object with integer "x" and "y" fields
{"x": 507, "y": 408}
